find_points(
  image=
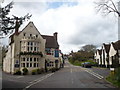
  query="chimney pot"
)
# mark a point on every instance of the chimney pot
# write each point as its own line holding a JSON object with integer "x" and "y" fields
{"x": 55, "y": 35}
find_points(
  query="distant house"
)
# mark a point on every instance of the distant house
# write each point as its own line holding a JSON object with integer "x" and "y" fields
{"x": 105, "y": 55}
{"x": 98, "y": 57}
{"x": 53, "y": 54}
{"x": 114, "y": 54}
{"x": 110, "y": 55}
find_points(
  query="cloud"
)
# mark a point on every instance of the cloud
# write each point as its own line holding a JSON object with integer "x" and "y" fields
{"x": 79, "y": 25}
{"x": 76, "y": 24}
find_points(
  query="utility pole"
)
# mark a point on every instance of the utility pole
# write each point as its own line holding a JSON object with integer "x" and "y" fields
{"x": 119, "y": 31}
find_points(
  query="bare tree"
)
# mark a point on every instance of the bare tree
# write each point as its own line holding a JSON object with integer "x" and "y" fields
{"x": 107, "y": 7}
{"x": 88, "y": 48}
{"x": 9, "y": 24}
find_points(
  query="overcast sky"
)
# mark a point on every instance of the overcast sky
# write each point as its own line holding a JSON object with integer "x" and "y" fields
{"x": 76, "y": 22}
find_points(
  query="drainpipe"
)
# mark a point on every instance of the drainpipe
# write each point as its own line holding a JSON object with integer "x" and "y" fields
{"x": 19, "y": 55}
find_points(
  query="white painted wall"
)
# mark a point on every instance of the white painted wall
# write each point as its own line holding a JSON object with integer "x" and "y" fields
{"x": 111, "y": 53}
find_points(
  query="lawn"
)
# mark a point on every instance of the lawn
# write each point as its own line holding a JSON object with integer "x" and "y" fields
{"x": 114, "y": 78}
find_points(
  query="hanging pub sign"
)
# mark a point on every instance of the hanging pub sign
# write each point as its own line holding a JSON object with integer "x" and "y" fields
{"x": 56, "y": 52}
{"x": 17, "y": 64}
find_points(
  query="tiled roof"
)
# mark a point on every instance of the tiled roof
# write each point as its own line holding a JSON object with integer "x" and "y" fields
{"x": 116, "y": 45}
{"x": 107, "y": 47}
{"x": 100, "y": 51}
{"x": 51, "y": 42}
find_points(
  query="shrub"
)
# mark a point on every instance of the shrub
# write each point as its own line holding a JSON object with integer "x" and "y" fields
{"x": 53, "y": 69}
{"x": 117, "y": 72}
{"x": 78, "y": 63}
{"x": 42, "y": 70}
{"x": 39, "y": 71}
{"x": 25, "y": 71}
{"x": 34, "y": 71}
{"x": 18, "y": 72}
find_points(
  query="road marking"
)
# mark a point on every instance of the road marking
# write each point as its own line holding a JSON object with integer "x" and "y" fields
{"x": 94, "y": 74}
{"x": 66, "y": 66}
{"x": 38, "y": 80}
{"x": 71, "y": 70}
{"x": 72, "y": 81}
{"x": 19, "y": 76}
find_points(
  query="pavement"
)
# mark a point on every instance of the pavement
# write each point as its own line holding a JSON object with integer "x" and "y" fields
{"x": 68, "y": 77}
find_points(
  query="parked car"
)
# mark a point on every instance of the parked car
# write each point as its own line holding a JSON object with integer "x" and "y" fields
{"x": 86, "y": 65}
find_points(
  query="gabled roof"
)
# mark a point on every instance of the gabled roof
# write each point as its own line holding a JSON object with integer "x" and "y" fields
{"x": 116, "y": 45}
{"x": 107, "y": 47}
{"x": 51, "y": 42}
{"x": 18, "y": 32}
{"x": 100, "y": 51}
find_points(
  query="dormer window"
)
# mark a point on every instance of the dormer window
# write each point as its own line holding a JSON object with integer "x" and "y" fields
{"x": 30, "y": 35}
{"x": 24, "y": 34}
{"x": 36, "y": 36}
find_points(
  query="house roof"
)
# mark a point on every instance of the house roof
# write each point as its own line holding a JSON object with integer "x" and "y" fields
{"x": 116, "y": 45}
{"x": 100, "y": 51}
{"x": 107, "y": 47}
{"x": 51, "y": 42}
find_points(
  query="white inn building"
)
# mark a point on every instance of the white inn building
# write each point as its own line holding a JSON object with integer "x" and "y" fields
{"x": 27, "y": 48}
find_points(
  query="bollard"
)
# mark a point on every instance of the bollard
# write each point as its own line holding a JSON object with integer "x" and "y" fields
{"x": 112, "y": 71}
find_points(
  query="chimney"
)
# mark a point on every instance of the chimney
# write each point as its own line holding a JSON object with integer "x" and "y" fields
{"x": 55, "y": 35}
{"x": 16, "y": 26}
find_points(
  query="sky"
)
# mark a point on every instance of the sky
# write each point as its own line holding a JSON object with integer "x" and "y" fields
{"x": 76, "y": 22}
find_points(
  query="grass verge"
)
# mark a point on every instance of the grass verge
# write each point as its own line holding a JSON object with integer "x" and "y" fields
{"x": 114, "y": 78}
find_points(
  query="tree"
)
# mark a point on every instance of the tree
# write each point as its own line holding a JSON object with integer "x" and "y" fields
{"x": 8, "y": 24}
{"x": 107, "y": 7}
{"x": 88, "y": 48}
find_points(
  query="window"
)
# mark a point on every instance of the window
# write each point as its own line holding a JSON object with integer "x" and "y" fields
{"x": 36, "y": 36}
{"x": 35, "y": 49}
{"x": 30, "y": 35}
{"x": 34, "y": 59}
{"x": 27, "y": 59}
{"x": 28, "y": 43}
{"x": 34, "y": 64}
{"x": 47, "y": 64}
{"x": 23, "y": 65}
{"x": 23, "y": 59}
{"x": 27, "y": 64}
{"x": 30, "y": 59}
{"x": 24, "y": 34}
{"x": 31, "y": 48}
{"x": 30, "y": 64}
{"x": 37, "y": 64}
{"x": 16, "y": 65}
{"x": 28, "y": 49}
{"x": 48, "y": 51}
{"x": 31, "y": 43}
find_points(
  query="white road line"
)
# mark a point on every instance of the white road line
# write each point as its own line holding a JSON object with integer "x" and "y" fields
{"x": 19, "y": 76}
{"x": 38, "y": 80}
{"x": 72, "y": 81}
{"x": 71, "y": 70}
{"x": 41, "y": 78}
{"x": 95, "y": 74}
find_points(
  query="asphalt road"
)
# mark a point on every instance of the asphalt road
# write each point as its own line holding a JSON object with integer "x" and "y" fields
{"x": 68, "y": 77}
